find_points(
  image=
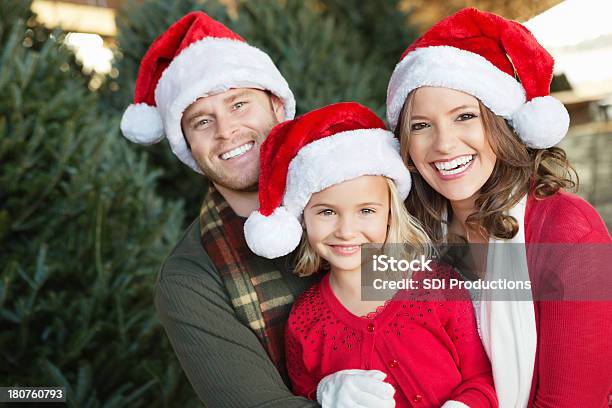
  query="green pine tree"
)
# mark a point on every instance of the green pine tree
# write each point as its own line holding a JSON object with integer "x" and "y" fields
{"x": 384, "y": 31}
{"x": 82, "y": 233}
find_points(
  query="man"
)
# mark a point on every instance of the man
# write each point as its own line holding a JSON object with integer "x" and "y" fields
{"x": 224, "y": 308}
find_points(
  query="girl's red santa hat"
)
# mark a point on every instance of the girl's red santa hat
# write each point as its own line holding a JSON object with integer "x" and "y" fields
{"x": 196, "y": 57}
{"x": 303, "y": 156}
{"x": 493, "y": 59}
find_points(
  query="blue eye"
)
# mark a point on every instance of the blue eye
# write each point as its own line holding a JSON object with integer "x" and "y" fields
{"x": 326, "y": 212}
{"x": 239, "y": 105}
{"x": 368, "y": 211}
{"x": 202, "y": 123}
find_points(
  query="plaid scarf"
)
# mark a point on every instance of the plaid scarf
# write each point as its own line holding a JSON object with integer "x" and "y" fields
{"x": 259, "y": 293}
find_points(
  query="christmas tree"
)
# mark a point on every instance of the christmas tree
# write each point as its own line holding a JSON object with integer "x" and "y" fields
{"x": 82, "y": 234}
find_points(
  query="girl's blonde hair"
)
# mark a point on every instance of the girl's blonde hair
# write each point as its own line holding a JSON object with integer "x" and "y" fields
{"x": 403, "y": 229}
{"x": 518, "y": 170}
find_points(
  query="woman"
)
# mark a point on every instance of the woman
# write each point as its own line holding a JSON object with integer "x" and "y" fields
{"x": 479, "y": 142}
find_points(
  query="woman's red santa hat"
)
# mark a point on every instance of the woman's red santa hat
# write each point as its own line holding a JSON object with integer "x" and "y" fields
{"x": 480, "y": 54}
{"x": 303, "y": 156}
{"x": 196, "y": 57}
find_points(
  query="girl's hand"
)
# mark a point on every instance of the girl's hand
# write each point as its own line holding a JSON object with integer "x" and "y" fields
{"x": 355, "y": 389}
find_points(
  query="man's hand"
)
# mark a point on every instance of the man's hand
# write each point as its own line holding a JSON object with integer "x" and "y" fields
{"x": 355, "y": 389}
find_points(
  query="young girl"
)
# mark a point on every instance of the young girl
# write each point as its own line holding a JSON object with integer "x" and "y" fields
{"x": 470, "y": 103}
{"x": 339, "y": 170}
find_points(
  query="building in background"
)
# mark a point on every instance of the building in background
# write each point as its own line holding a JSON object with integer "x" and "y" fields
{"x": 92, "y": 31}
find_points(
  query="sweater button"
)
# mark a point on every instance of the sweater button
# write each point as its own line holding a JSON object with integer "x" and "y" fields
{"x": 417, "y": 398}
{"x": 393, "y": 363}
{"x": 371, "y": 327}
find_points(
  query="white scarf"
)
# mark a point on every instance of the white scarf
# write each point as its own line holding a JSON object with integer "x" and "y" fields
{"x": 507, "y": 327}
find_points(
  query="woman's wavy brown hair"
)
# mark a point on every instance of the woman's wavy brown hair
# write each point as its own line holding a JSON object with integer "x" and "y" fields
{"x": 518, "y": 170}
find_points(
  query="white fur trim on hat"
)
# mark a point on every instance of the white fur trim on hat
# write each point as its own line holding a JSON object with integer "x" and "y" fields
{"x": 142, "y": 124}
{"x": 542, "y": 122}
{"x": 272, "y": 236}
{"x": 211, "y": 66}
{"x": 453, "y": 68}
{"x": 341, "y": 157}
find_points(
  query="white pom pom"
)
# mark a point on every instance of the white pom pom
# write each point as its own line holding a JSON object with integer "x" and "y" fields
{"x": 542, "y": 122}
{"x": 142, "y": 124}
{"x": 272, "y": 236}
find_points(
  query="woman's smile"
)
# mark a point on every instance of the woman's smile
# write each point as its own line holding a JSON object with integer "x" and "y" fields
{"x": 453, "y": 168}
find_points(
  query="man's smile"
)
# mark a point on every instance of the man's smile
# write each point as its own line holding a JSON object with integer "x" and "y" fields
{"x": 238, "y": 151}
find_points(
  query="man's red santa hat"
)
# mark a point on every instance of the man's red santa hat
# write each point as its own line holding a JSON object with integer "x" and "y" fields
{"x": 303, "y": 156}
{"x": 493, "y": 59}
{"x": 196, "y": 57}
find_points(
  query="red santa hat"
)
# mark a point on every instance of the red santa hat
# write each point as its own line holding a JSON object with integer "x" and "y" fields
{"x": 303, "y": 156}
{"x": 493, "y": 59}
{"x": 196, "y": 57}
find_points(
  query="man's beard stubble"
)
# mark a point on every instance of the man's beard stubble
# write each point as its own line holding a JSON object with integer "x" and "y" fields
{"x": 251, "y": 183}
